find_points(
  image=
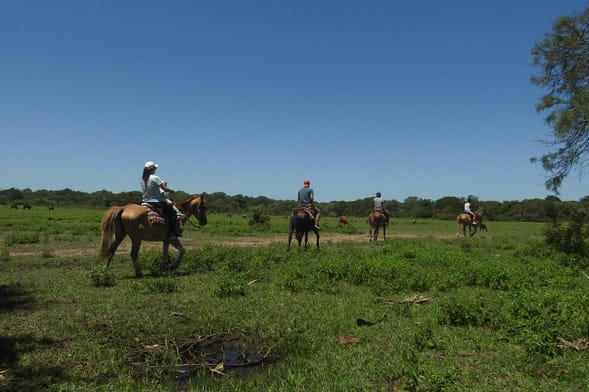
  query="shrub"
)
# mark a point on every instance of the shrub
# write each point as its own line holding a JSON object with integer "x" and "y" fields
{"x": 258, "y": 216}
{"x": 475, "y": 309}
{"x": 230, "y": 285}
{"x": 568, "y": 238}
{"x": 162, "y": 284}
{"x": 101, "y": 277}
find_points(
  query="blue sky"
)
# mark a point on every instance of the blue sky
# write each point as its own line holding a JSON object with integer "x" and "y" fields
{"x": 410, "y": 98}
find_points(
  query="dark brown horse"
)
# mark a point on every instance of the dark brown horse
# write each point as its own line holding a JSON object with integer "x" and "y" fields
{"x": 132, "y": 220}
{"x": 376, "y": 221}
{"x": 302, "y": 222}
{"x": 465, "y": 220}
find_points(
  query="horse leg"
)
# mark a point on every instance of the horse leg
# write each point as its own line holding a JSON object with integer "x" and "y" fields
{"x": 136, "y": 244}
{"x": 165, "y": 256}
{"x": 474, "y": 231}
{"x": 113, "y": 248}
{"x": 176, "y": 243}
{"x": 317, "y": 235}
{"x": 290, "y": 236}
{"x": 384, "y": 231}
{"x": 306, "y": 239}
{"x": 299, "y": 236}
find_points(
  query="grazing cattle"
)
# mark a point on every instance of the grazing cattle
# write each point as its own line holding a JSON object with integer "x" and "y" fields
{"x": 343, "y": 220}
{"x": 27, "y": 207}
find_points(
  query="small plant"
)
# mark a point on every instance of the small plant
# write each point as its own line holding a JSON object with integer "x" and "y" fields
{"x": 230, "y": 286}
{"x": 100, "y": 276}
{"x": 47, "y": 251}
{"x": 4, "y": 253}
{"x": 162, "y": 284}
{"x": 22, "y": 238}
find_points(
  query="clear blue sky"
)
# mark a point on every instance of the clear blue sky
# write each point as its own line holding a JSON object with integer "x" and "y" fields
{"x": 410, "y": 98}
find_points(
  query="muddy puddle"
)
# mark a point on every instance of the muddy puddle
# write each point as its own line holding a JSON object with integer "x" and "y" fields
{"x": 230, "y": 353}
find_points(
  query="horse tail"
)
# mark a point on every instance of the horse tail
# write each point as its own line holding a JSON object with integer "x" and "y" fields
{"x": 109, "y": 228}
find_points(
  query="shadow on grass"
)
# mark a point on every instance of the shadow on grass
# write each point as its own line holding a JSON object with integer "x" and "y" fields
{"x": 13, "y": 376}
{"x": 25, "y": 378}
{"x": 14, "y": 296}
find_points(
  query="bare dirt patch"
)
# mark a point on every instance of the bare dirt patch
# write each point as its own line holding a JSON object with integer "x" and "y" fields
{"x": 195, "y": 241}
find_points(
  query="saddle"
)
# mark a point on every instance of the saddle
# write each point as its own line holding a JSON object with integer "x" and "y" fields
{"x": 155, "y": 215}
{"x": 309, "y": 210}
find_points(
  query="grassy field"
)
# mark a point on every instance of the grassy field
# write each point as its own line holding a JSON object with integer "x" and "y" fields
{"x": 422, "y": 311}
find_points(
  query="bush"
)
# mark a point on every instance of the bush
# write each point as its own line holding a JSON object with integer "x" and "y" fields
{"x": 258, "y": 216}
{"x": 568, "y": 238}
{"x": 101, "y": 277}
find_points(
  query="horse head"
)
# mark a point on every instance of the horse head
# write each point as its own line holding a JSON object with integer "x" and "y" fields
{"x": 196, "y": 206}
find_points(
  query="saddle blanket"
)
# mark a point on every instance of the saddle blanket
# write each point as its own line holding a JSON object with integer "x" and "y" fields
{"x": 155, "y": 217}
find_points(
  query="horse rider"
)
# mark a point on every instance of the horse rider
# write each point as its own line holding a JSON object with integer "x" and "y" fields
{"x": 379, "y": 206}
{"x": 153, "y": 190}
{"x": 305, "y": 198}
{"x": 468, "y": 210}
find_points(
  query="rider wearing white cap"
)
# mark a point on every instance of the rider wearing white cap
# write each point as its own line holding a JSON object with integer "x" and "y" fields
{"x": 153, "y": 188}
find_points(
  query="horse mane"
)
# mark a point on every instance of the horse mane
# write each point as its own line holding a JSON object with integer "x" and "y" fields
{"x": 185, "y": 204}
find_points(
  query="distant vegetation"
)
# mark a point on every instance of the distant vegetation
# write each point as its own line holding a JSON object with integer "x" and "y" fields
{"x": 551, "y": 209}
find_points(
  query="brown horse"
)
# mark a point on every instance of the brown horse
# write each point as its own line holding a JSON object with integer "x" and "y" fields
{"x": 377, "y": 220}
{"x": 302, "y": 222}
{"x": 343, "y": 221}
{"x": 132, "y": 220}
{"x": 465, "y": 220}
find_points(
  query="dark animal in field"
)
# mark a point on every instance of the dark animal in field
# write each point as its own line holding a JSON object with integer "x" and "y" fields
{"x": 301, "y": 223}
{"x": 51, "y": 207}
{"x": 376, "y": 221}
{"x": 343, "y": 221}
{"x": 465, "y": 220}
{"x": 133, "y": 220}
{"x": 27, "y": 207}
{"x": 229, "y": 215}
{"x": 13, "y": 207}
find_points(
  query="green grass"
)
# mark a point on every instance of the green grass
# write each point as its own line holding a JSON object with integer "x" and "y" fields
{"x": 498, "y": 306}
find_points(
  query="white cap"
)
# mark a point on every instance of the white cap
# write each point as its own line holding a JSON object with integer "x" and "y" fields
{"x": 149, "y": 165}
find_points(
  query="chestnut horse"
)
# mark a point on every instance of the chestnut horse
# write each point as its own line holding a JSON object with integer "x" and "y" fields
{"x": 343, "y": 221}
{"x": 132, "y": 220}
{"x": 301, "y": 222}
{"x": 465, "y": 220}
{"x": 377, "y": 220}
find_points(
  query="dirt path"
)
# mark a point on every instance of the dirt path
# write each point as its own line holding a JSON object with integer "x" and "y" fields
{"x": 196, "y": 241}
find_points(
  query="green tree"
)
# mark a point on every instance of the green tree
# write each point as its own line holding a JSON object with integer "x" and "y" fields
{"x": 562, "y": 59}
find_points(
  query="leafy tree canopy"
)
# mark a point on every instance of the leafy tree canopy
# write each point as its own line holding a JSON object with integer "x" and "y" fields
{"x": 562, "y": 59}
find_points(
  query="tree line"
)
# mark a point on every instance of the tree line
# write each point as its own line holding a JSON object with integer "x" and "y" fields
{"x": 549, "y": 209}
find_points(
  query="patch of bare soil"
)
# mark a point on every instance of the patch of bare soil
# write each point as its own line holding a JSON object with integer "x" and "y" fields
{"x": 196, "y": 241}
